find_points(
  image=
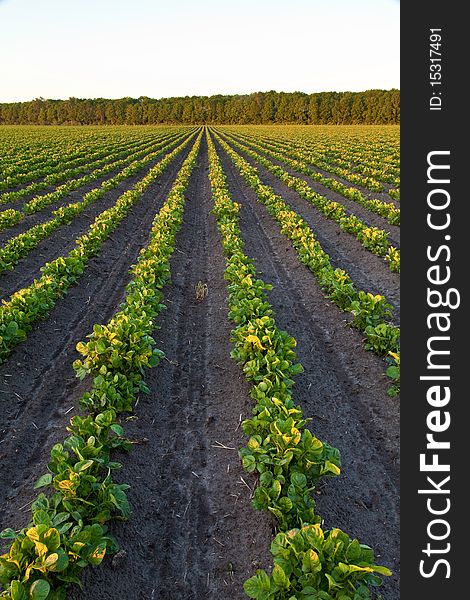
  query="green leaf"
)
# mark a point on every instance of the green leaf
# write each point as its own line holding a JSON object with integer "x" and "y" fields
{"x": 299, "y": 479}
{"x": 101, "y": 347}
{"x": 280, "y": 578}
{"x": 52, "y": 539}
{"x": 393, "y": 372}
{"x": 382, "y": 570}
{"x": 61, "y": 561}
{"x": 258, "y": 586}
{"x": 266, "y": 478}
{"x": 118, "y": 430}
{"x": 154, "y": 360}
{"x": 98, "y": 554}
{"x": 332, "y": 468}
{"x": 60, "y": 518}
{"x": 43, "y": 481}
{"x": 311, "y": 562}
{"x": 51, "y": 560}
{"x": 285, "y": 504}
{"x": 42, "y": 517}
{"x": 17, "y": 591}
{"x": 84, "y": 465}
{"x": 249, "y": 463}
{"x": 8, "y": 534}
{"x": 11, "y": 329}
{"x": 39, "y": 590}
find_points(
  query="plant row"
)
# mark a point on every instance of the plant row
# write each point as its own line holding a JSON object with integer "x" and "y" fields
{"x": 373, "y": 239}
{"x": 298, "y": 162}
{"x": 309, "y": 562}
{"x": 41, "y": 201}
{"x": 18, "y": 247}
{"x": 370, "y": 154}
{"x": 68, "y": 529}
{"x": 370, "y": 313}
{"x": 62, "y": 170}
{"x": 56, "y": 149}
{"x": 367, "y": 153}
{"x": 32, "y": 303}
{"x": 11, "y": 217}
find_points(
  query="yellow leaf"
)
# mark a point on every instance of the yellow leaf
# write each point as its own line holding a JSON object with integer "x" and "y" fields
{"x": 254, "y": 339}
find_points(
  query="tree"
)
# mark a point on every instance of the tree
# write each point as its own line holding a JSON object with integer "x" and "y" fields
{"x": 371, "y": 106}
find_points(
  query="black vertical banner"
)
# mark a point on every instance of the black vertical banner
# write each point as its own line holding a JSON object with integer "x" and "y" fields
{"x": 434, "y": 524}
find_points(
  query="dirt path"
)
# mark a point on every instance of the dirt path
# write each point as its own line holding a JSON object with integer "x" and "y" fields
{"x": 343, "y": 388}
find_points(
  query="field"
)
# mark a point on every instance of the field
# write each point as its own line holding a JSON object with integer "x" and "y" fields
{"x": 161, "y": 287}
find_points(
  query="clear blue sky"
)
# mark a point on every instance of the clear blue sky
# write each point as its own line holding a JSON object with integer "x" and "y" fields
{"x": 161, "y": 48}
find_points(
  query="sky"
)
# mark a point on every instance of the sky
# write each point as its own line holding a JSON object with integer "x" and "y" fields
{"x": 164, "y": 48}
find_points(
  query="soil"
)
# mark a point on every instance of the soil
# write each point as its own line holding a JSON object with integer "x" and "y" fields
{"x": 193, "y": 533}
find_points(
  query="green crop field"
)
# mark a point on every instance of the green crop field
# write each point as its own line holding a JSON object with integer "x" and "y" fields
{"x": 199, "y": 361}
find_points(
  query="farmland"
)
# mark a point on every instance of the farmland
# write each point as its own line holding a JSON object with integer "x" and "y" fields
{"x": 199, "y": 353}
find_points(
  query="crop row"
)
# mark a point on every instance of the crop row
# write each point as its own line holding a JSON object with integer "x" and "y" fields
{"x": 23, "y": 158}
{"x": 111, "y": 163}
{"x": 24, "y": 151}
{"x": 370, "y": 154}
{"x": 360, "y": 173}
{"x": 363, "y": 154}
{"x": 300, "y": 163}
{"x": 11, "y": 217}
{"x": 63, "y": 169}
{"x": 308, "y": 561}
{"x": 68, "y": 529}
{"x": 30, "y": 304}
{"x": 370, "y": 313}
{"x": 39, "y": 202}
{"x": 19, "y": 246}
{"x": 359, "y": 161}
{"x": 375, "y": 240}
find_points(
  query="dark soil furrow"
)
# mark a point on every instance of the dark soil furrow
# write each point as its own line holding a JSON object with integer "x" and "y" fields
{"x": 343, "y": 389}
{"x": 63, "y": 239}
{"x": 368, "y": 271}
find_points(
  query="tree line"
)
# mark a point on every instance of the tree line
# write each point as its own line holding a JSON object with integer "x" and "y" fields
{"x": 369, "y": 107}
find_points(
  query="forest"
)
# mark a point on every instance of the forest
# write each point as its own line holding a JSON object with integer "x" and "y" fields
{"x": 335, "y": 108}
